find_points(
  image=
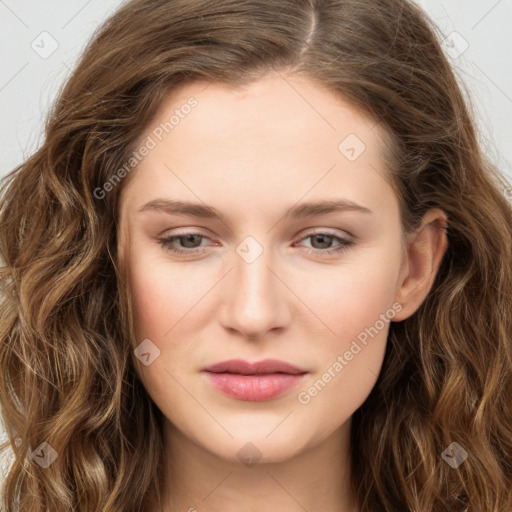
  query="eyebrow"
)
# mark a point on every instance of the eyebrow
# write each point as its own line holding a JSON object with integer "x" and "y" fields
{"x": 299, "y": 211}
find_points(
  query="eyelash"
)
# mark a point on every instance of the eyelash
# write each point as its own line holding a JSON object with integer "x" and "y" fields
{"x": 344, "y": 244}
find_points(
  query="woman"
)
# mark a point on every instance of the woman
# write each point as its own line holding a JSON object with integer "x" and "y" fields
{"x": 172, "y": 341}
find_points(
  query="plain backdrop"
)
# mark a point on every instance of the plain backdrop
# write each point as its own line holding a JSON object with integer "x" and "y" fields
{"x": 41, "y": 41}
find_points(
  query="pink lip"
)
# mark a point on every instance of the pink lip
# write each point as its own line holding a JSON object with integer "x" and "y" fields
{"x": 255, "y": 382}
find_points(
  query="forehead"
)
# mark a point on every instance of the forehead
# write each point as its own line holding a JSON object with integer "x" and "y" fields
{"x": 277, "y": 107}
{"x": 279, "y": 136}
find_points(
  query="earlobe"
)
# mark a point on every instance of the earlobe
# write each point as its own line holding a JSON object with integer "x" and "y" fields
{"x": 425, "y": 250}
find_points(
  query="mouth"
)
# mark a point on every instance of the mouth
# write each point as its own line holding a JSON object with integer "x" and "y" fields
{"x": 255, "y": 382}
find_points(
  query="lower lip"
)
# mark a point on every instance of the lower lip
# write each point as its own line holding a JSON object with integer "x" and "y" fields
{"x": 254, "y": 388}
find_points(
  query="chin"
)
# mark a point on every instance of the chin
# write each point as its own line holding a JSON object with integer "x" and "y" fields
{"x": 253, "y": 450}
{"x": 258, "y": 444}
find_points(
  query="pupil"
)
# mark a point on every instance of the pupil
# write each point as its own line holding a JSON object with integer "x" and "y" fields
{"x": 324, "y": 237}
{"x": 189, "y": 238}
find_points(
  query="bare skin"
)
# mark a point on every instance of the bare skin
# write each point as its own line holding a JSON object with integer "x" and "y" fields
{"x": 253, "y": 154}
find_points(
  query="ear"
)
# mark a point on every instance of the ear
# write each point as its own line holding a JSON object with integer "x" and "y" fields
{"x": 423, "y": 255}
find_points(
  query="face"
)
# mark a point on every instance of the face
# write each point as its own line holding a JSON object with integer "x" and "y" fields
{"x": 270, "y": 277}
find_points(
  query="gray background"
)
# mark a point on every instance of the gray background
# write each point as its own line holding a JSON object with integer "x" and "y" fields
{"x": 31, "y": 73}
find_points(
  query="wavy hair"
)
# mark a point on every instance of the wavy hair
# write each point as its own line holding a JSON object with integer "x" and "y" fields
{"x": 66, "y": 333}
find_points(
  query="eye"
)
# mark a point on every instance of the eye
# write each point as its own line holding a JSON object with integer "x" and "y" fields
{"x": 191, "y": 243}
{"x": 324, "y": 240}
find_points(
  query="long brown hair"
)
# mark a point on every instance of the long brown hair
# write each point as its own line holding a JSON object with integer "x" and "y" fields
{"x": 65, "y": 329}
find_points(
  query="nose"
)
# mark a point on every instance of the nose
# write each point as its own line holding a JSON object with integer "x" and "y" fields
{"x": 255, "y": 298}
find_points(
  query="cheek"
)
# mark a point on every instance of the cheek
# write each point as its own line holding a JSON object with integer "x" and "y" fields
{"x": 357, "y": 306}
{"x": 353, "y": 297}
{"x": 160, "y": 297}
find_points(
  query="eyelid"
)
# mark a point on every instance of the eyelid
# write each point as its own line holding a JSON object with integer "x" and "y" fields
{"x": 302, "y": 234}
{"x": 325, "y": 231}
{"x": 344, "y": 242}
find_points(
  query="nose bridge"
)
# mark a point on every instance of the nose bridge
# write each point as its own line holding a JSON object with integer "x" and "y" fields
{"x": 256, "y": 302}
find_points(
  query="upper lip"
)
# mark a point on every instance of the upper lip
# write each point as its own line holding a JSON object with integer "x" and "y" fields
{"x": 266, "y": 366}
